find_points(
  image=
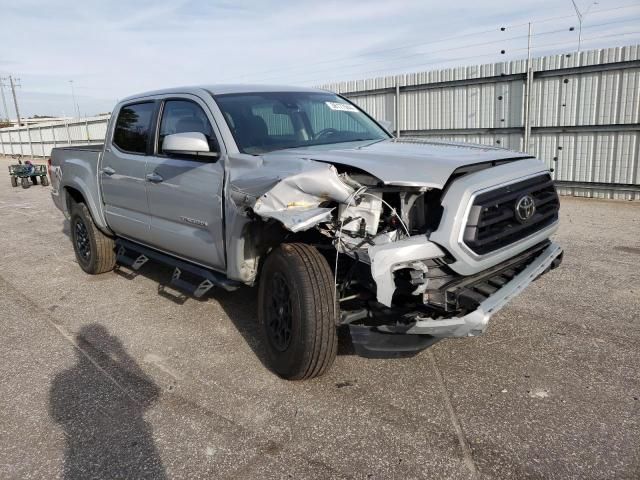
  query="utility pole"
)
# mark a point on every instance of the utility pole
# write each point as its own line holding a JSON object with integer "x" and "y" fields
{"x": 13, "y": 85}
{"x": 527, "y": 95}
{"x": 397, "y": 113}
{"x": 5, "y": 110}
{"x": 73, "y": 97}
{"x": 581, "y": 16}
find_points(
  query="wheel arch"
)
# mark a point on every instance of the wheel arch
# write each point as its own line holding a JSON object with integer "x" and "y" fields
{"x": 74, "y": 194}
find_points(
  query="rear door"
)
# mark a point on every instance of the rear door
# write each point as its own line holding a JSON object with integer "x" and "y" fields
{"x": 122, "y": 172}
{"x": 185, "y": 192}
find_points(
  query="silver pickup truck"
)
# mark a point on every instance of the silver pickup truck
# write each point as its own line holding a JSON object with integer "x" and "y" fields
{"x": 400, "y": 241}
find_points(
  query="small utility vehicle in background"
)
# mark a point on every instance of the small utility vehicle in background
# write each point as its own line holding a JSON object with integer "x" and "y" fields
{"x": 28, "y": 173}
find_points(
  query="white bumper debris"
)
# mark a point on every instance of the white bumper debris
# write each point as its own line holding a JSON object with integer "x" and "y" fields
{"x": 390, "y": 257}
{"x": 476, "y": 322}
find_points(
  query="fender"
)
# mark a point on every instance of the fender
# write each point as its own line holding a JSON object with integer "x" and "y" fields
{"x": 77, "y": 175}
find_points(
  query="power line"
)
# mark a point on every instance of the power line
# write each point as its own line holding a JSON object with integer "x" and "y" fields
{"x": 623, "y": 34}
{"x": 394, "y": 59}
{"x": 493, "y": 54}
{"x": 461, "y": 47}
{"x": 602, "y": 10}
{"x": 389, "y": 65}
{"x": 374, "y": 52}
{"x": 333, "y": 61}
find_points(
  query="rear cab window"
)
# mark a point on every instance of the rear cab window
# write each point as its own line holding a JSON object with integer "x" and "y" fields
{"x": 133, "y": 127}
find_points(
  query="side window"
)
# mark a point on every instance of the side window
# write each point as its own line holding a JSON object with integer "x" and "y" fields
{"x": 132, "y": 127}
{"x": 181, "y": 116}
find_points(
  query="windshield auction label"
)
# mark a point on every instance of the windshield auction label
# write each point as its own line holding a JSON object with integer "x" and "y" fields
{"x": 341, "y": 107}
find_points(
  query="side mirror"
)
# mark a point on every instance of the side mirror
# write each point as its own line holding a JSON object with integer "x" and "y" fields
{"x": 187, "y": 143}
{"x": 386, "y": 124}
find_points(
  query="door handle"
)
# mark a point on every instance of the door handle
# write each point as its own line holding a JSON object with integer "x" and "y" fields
{"x": 154, "y": 178}
{"x": 108, "y": 170}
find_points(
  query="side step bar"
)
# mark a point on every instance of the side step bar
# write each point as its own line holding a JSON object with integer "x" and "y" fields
{"x": 193, "y": 279}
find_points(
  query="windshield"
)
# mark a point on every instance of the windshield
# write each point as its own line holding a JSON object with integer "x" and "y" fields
{"x": 263, "y": 122}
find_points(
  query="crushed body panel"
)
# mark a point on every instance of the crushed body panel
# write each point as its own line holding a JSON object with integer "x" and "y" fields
{"x": 292, "y": 199}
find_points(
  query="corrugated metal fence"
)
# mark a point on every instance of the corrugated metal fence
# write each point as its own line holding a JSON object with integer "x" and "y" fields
{"x": 584, "y": 115}
{"x": 38, "y": 140}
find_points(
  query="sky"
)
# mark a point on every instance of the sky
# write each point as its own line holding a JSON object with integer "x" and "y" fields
{"x": 111, "y": 49}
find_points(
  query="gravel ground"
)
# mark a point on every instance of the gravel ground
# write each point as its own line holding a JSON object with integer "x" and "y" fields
{"x": 112, "y": 377}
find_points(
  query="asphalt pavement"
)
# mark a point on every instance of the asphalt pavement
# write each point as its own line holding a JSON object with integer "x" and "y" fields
{"x": 113, "y": 376}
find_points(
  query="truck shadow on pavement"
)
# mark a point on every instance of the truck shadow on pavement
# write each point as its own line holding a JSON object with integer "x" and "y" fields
{"x": 100, "y": 404}
{"x": 241, "y": 306}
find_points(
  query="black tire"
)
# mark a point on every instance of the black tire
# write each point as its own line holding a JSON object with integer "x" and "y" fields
{"x": 14, "y": 181}
{"x": 25, "y": 182}
{"x": 44, "y": 181}
{"x": 297, "y": 294}
{"x": 95, "y": 251}
{"x": 34, "y": 179}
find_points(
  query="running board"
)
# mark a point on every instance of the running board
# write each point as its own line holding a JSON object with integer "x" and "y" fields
{"x": 190, "y": 278}
{"x": 130, "y": 262}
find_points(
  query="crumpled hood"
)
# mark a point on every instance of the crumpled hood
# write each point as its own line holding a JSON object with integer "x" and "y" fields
{"x": 405, "y": 161}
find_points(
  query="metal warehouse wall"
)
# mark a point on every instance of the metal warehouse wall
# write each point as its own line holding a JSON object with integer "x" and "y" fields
{"x": 38, "y": 140}
{"x": 584, "y": 113}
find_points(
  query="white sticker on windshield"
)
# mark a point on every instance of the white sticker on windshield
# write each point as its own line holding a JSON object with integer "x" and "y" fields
{"x": 341, "y": 107}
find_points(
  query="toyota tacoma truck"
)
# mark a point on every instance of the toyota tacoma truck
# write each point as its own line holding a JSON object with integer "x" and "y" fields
{"x": 399, "y": 241}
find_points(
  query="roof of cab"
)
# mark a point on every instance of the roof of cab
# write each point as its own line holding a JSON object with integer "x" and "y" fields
{"x": 222, "y": 89}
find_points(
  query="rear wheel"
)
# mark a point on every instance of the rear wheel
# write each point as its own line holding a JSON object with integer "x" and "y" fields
{"x": 34, "y": 179}
{"x": 297, "y": 311}
{"x": 14, "y": 181}
{"x": 44, "y": 181}
{"x": 95, "y": 251}
{"x": 25, "y": 182}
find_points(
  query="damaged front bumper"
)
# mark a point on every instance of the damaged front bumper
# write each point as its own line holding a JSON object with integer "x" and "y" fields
{"x": 476, "y": 322}
{"x": 399, "y": 339}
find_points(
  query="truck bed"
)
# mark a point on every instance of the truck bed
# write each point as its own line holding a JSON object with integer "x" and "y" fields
{"x": 79, "y": 167}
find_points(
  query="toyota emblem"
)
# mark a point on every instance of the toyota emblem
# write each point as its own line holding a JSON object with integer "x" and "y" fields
{"x": 525, "y": 208}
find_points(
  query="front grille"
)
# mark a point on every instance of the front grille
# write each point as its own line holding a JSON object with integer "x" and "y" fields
{"x": 453, "y": 292}
{"x": 492, "y": 222}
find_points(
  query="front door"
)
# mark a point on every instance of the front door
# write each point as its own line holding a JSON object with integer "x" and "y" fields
{"x": 122, "y": 172}
{"x": 185, "y": 192}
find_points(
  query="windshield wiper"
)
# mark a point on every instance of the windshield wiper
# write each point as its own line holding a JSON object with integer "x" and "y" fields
{"x": 304, "y": 145}
{"x": 354, "y": 140}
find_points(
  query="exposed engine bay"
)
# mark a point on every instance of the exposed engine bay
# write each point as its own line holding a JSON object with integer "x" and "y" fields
{"x": 375, "y": 236}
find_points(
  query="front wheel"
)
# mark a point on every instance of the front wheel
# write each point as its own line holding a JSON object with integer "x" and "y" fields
{"x": 297, "y": 311}
{"x": 44, "y": 181}
{"x": 95, "y": 251}
{"x": 14, "y": 181}
{"x": 25, "y": 182}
